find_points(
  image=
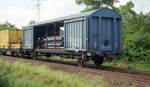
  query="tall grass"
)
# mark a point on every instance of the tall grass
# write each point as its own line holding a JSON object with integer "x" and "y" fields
{"x": 21, "y": 74}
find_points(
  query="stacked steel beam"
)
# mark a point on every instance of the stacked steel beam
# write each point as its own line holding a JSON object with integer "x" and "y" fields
{"x": 49, "y": 42}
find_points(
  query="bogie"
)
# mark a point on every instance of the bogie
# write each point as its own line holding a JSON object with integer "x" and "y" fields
{"x": 98, "y": 60}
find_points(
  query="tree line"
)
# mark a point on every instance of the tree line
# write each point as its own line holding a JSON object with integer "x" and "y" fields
{"x": 7, "y": 25}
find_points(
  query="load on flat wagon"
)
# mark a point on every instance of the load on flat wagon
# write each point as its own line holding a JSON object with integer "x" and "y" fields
{"x": 90, "y": 35}
{"x": 11, "y": 39}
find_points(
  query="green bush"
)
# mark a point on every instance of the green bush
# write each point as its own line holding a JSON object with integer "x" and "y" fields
{"x": 135, "y": 35}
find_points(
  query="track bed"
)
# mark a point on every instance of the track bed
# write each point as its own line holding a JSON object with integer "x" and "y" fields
{"x": 116, "y": 79}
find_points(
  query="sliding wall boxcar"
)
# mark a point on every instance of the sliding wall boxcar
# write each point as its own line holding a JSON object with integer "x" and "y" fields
{"x": 11, "y": 39}
{"x": 94, "y": 32}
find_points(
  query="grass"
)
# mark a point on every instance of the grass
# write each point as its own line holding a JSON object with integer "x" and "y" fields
{"x": 19, "y": 74}
{"x": 65, "y": 59}
{"x": 137, "y": 66}
{"x": 70, "y": 60}
{"x": 58, "y": 58}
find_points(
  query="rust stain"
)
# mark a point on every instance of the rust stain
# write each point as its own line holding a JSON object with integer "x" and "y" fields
{"x": 95, "y": 45}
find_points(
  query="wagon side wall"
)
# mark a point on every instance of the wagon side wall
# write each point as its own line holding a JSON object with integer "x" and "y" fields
{"x": 28, "y": 38}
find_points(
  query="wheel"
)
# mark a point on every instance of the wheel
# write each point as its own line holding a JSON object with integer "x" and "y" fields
{"x": 15, "y": 54}
{"x": 12, "y": 53}
{"x": 29, "y": 56}
{"x": 3, "y": 52}
{"x": 34, "y": 56}
{"x": 98, "y": 60}
{"x": 21, "y": 54}
{"x": 80, "y": 62}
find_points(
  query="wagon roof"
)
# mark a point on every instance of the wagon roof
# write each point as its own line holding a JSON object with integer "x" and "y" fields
{"x": 61, "y": 19}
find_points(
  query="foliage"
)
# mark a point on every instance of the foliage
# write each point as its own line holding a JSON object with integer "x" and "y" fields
{"x": 95, "y": 4}
{"x": 136, "y": 65}
{"x": 21, "y": 74}
{"x": 32, "y": 22}
{"x": 135, "y": 30}
{"x": 7, "y": 25}
{"x": 136, "y": 34}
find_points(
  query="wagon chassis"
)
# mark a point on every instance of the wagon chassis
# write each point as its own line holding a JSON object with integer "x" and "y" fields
{"x": 81, "y": 57}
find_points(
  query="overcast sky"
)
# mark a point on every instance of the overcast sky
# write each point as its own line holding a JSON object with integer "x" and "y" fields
{"x": 20, "y": 12}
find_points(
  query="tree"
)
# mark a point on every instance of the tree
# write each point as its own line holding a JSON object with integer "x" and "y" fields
{"x": 136, "y": 27}
{"x": 126, "y": 11}
{"x": 135, "y": 33}
{"x": 32, "y": 22}
{"x": 95, "y": 4}
{"x": 7, "y": 25}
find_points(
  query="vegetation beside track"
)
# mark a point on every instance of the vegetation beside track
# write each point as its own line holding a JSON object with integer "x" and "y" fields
{"x": 136, "y": 66}
{"x": 19, "y": 74}
{"x": 135, "y": 34}
{"x": 115, "y": 63}
{"x": 135, "y": 38}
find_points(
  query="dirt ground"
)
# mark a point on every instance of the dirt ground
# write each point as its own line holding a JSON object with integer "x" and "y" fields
{"x": 115, "y": 79}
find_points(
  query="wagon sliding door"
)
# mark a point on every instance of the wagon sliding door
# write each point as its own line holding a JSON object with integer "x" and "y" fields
{"x": 75, "y": 35}
{"x": 28, "y": 38}
{"x": 107, "y": 35}
{"x": 101, "y": 34}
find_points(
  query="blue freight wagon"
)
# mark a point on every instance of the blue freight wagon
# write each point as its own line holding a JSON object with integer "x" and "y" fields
{"x": 86, "y": 36}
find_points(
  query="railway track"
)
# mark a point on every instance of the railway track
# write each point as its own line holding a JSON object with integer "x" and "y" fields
{"x": 136, "y": 75}
{"x": 107, "y": 68}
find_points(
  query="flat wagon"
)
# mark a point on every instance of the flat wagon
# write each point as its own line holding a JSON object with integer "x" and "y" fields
{"x": 86, "y": 36}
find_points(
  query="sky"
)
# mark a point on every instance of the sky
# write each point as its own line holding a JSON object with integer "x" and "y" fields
{"x": 21, "y": 12}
